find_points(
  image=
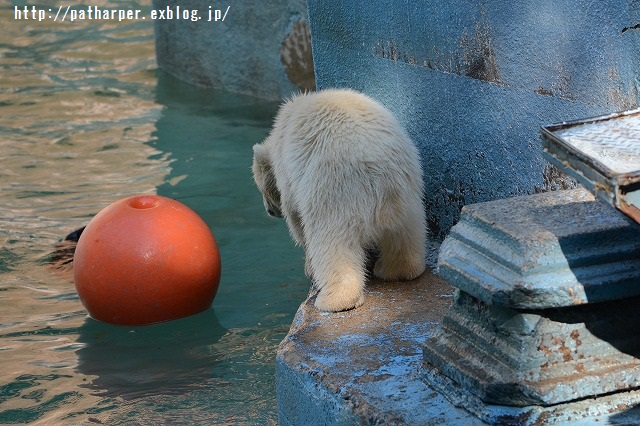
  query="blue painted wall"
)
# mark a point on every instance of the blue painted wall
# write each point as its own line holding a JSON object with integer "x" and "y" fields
{"x": 472, "y": 81}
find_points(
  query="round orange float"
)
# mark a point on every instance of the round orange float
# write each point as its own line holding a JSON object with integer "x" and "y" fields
{"x": 146, "y": 259}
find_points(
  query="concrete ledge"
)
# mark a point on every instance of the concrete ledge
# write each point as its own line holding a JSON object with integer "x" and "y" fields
{"x": 362, "y": 366}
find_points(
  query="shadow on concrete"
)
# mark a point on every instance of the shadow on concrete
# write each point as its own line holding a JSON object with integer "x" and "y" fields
{"x": 605, "y": 260}
{"x": 616, "y": 322}
{"x": 607, "y": 264}
{"x": 628, "y": 417}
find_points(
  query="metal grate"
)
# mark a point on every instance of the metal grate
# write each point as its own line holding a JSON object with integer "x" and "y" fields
{"x": 603, "y": 154}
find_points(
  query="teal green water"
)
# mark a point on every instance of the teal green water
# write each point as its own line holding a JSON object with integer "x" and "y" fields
{"x": 86, "y": 119}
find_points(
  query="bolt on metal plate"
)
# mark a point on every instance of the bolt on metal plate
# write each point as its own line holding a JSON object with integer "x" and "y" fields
{"x": 603, "y": 154}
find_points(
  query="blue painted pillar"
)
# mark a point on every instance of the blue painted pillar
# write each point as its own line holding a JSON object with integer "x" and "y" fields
{"x": 473, "y": 81}
{"x": 252, "y": 47}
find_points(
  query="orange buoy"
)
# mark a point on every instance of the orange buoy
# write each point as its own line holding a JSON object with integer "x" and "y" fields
{"x": 146, "y": 259}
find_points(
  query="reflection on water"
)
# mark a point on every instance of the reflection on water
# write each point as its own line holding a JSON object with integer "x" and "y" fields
{"x": 85, "y": 119}
{"x": 162, "y": 359}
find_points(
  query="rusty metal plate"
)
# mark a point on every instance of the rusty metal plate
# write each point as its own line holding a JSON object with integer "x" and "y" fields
{"x": 603, "y": 154}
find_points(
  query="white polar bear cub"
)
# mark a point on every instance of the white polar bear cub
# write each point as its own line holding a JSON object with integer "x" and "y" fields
{"x": 346, "y": 177}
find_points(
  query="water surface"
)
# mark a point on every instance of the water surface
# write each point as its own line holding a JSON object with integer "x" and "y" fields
{"x": 87, "y": 119}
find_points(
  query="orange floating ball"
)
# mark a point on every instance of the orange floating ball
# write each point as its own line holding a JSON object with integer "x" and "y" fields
{"x": 146, "y": 259}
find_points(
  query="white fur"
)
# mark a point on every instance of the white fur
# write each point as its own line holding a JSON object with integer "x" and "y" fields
{"x": 346, "y": 177}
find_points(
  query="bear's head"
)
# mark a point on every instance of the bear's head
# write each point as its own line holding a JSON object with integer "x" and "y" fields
{"x": 266, "y": 180}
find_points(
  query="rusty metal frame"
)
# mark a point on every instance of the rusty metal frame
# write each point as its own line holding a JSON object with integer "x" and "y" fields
{"x": 621, "y": 190}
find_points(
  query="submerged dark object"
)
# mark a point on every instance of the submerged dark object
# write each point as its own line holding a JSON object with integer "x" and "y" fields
{"x": 75, "y": 235}
{"x": 62, "y": 257}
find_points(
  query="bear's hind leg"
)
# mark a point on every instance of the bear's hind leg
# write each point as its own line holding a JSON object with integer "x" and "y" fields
{"x": 402, "y": 250}
{"x": 338, "y": 272}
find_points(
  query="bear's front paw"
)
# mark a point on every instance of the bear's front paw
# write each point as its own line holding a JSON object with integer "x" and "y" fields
{"x": 342, "y": 300}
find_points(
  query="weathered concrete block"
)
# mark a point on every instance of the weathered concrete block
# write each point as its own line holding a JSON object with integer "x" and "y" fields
{"x": 545, "y": 319}
{"x": 261, "y": 48}
{"x": 512, "y": 357}
{"x": 616, "y": 409}
{"x": 542, "y": 251}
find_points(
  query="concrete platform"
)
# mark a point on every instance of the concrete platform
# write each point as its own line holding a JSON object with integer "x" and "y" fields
{"x": 362, "y": 366}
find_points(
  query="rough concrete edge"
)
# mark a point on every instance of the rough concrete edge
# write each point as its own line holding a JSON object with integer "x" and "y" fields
{"x": 594, "y": 411}
{"x": 361, "y": 366}
{"x": 313, "y": 403}
{"x": 316, "y": 404}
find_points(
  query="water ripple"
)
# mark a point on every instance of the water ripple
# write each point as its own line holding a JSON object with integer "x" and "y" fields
{"x": 86, "y": 119}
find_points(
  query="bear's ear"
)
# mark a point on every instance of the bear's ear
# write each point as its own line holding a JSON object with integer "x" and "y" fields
{"x": 261, "y": 156}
